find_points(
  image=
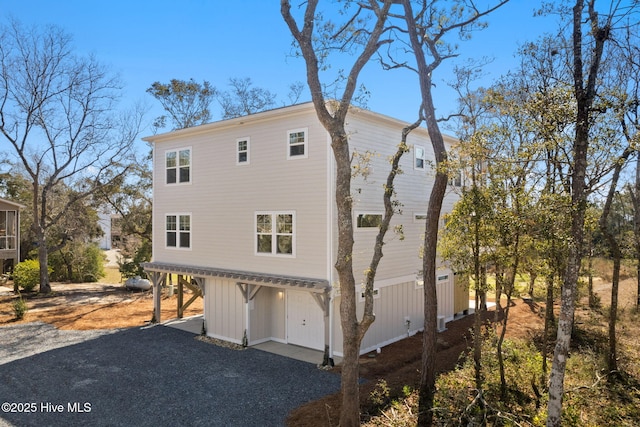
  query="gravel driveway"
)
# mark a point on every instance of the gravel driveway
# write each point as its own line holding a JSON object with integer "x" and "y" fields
{"x": 157, "y": 376}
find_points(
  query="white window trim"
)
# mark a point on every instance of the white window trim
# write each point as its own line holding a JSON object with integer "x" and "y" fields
{"x": 457, "y": 181}
{"x": 423, "y": 158}
{"x": 306, "y": 144}
{"x": 274, "y": 252}
{"x": 178, "y": 215}
{"x": 10, "y": 240}
{"x": 364, "y": 229}
{"x": 177, "y": 151}
{"x": 419, "y": 217}
{"x": 248, "y": 161}
{"x": 376, "y": 294}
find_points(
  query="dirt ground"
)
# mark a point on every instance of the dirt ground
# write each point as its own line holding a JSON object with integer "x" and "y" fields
{"x": 100, "y": 306}
{"x": 91, "y": 306}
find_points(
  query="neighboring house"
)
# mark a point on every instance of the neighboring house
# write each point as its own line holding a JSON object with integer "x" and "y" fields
{"x": 105, "y": 223}
{"x": 246, "y": 208}
{"x": 9, "y": 235}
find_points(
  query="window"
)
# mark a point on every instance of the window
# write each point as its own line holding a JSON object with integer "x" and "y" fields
{"x": 7, "y": 230}
{"x": 243, "y": 151}
{"x": 275, "y": 233}
{"x": 369, "y": 220}
{"x": 456, "y": 180}
{"x": 178, "y": 228}
{"x": 297, "y": 143}
{"x": 178, "y": 164}
{"x": 419, "y": 156}
{"x": 419, "y": 218}
{"x": 419, "y": 279}
{"x": 376, "y": 294}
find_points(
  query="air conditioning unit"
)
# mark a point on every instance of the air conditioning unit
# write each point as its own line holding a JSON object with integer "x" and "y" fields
{"x": 441, "y": 324}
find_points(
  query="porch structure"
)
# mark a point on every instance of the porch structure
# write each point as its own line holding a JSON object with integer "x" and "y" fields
{"x": 249, "y": 284}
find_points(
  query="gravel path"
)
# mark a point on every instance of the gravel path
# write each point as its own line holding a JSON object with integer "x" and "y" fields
{"x": 146, "y": 377}
{"x": 28, "y": 339}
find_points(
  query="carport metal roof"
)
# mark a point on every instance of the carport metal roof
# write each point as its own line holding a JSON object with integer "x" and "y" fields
{"x": 260, "y": 279}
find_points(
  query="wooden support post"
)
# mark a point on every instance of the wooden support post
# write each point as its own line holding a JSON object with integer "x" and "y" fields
{"x": 157, "y": 279}
{"x": 180, "y": 295}
{"x": 324, "y": 301}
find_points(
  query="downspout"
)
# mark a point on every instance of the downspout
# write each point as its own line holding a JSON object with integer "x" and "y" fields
{"x": 330, "y": 254}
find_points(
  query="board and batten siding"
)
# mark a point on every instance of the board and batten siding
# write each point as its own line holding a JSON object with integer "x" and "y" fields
{"x": 223, "y": 196}
{"x": 392, "y": 305}
{"x": 224, "y": 310}
{"x": 268, "y": 317}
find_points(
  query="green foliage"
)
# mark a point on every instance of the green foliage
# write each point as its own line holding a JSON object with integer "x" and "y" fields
{"x": 186, "y": 102}
{"x": 380, "y": 395}
{"x": 20, "y": 308}
{"x": 26, "y": 275}
{"x": 77, "y": 262}
{"x": 131, "y": 267}
{"x": 459, "y": 402}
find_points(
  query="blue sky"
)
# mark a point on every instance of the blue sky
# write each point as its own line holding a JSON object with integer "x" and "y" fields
{"x": 214, "y": 40}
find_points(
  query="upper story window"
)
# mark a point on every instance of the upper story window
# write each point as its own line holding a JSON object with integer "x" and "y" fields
{"x": 178, "y": 231}
{"x": 8, "y": 229}
{"x": 456, "y": 179}
{"x": 178, "y": 166}
{"x": 368, "y": 220}
{"x": 242, "y": 151}
{"x": 297, "y": 144}
{"x": 275, "y": 233}
{"x": 420, "y": 159}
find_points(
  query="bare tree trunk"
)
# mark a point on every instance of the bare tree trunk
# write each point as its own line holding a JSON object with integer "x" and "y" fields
{"x": 612, "y": 359}
{"x": 585, "y": 95}
{"x": 532, "y": 281}
{"x": 549, "y": 320}
{"x": 39, "y": 207}
{"x": 499, "y": 290}
{"x": 635, "y": 197}
{"x": 614, "y": 247}
{"x": 592, "y": 296}
{"x": 334, "y": 122}
{"x": 503, "y": 331}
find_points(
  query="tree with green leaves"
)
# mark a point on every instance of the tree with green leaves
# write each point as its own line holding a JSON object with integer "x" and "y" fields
{"x": 591, "y": 31}
{"x": 427, "y": 26}
{"x": 186, "y": 102}
{"x": 244, "y": 98}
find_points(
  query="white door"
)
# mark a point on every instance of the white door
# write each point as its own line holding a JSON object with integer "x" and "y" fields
{"x": 305, "y": 320}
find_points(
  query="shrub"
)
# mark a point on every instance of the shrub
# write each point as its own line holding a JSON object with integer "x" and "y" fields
{"x": 26, "y": 274}
{"x": 20, "y": 308}
{"x": 77, "y": 262}
{"x": 131, "y": 267}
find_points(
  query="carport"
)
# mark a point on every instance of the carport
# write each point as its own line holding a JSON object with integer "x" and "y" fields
{"x": 249, "y": 284}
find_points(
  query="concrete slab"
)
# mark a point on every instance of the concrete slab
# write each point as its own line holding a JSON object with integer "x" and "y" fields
{"x": 193, "y": 325}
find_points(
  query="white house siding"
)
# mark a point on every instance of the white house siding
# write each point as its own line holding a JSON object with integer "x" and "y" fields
{"x": 223, "y": 197}
{"x": 267, "y": 313}
{"x": 398, "y": 296}
{"x": 391, "y": 306}
{"x": 224, "y": 310}
{"x": 381, "y": 136}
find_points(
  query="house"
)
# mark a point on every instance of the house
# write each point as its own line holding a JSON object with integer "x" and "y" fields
{"x": 105, "y": 222}
{"x": 9, "y": 235}
{"x": 245, "y": 208}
